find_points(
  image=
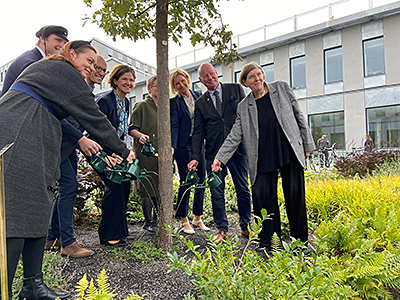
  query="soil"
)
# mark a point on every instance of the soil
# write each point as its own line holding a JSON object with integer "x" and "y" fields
{"x": 127, "y": 275}
{"x": 130, "y": 275}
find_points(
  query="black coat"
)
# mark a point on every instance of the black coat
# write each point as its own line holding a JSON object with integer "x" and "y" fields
{"x": 209, "y": 125}
{"x": 18, "y": 65}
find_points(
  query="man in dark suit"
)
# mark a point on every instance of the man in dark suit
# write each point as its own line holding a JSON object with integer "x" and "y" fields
{"x": 215, "y": 115}
{"x": 51, "y": 40}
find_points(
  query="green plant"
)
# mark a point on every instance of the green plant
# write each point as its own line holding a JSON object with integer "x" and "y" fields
{"x": 134, "y": 213}
{"x": 145, "y": 252}
{"x": 89, "y": 291}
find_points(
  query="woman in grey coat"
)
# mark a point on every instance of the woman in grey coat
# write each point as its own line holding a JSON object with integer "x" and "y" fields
{"x": 276, "y": 137}
{"x": 30, "y": 114}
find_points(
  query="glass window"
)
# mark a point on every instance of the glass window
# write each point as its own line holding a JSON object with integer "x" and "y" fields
{"x": 110, "y": 52}
{"x": 374, "y": 57}
{"x": 197, "y": 86}
{"x": 333, "y": 65}
{"x": 332, "y": 124}
{"x": 298, "y": 72}
{"x": 269, "y": 72}
{"x": 383, "y": 125}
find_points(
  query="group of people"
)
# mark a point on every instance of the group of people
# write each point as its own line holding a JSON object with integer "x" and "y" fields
{"x": 47, "y": 105}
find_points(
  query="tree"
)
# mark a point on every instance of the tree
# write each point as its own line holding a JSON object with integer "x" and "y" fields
{"x": 135, "y": 20}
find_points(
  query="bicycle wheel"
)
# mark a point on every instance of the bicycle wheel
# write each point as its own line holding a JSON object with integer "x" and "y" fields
{"x": 316, "y": 163}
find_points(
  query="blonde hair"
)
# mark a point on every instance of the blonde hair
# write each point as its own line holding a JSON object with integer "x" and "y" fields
{"x": 173, "y": 76}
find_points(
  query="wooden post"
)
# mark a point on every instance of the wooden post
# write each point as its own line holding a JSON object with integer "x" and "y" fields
{"x": 3, "y": 245}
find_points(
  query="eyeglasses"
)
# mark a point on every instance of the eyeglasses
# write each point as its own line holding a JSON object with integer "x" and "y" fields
{"x": 99, "y": 69}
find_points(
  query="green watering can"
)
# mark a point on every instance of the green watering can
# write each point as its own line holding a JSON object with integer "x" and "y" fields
{"x": 212, "y": 180}
{"x": 148, "y": 149}
{"x": 98, "y": 162}
{"x": 126, "y": 171}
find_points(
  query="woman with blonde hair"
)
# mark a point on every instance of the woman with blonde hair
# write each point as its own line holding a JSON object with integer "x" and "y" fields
{"x": 182, "y": 108}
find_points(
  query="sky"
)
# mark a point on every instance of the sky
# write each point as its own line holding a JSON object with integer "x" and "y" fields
{"x": 21, "y": 19}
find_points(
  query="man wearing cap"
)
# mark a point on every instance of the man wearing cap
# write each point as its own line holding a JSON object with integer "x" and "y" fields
{"x": 51, "y": 40}
{"x": 99, "y": 74}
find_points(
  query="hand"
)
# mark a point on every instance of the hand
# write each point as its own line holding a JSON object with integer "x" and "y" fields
{"x": 173, "y": 151}
{"x": 307, "y": 154}
{"x": 117, "y": 158}
{"x": 88, "y": 146}
{"x": 111, "y": 161}
{"x": 143, "y": 138}
{"x": 216, "y": 166}
{"x": 131, "y": 156}
{"x": 192, "y": 165}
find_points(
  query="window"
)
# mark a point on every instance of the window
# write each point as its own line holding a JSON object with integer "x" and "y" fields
{"x": 1, "y": 77}
{"x": 333, "y": 65}
{"x": 196, "y": 86}
{"x": 332, "y": 124}
{"x": 383, "y": 125}
{"x": 269, "y": 72}
{"x": 110, "y": 52}
{"x": 374, "y": 57}
{"x": 298, "y": 72}
{"x": 120, "y": 56}
{"x": 129, "y": 61}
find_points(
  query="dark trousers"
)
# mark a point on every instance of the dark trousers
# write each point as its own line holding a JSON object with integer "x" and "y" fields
{"x": 62, "y": 216}
{"x": 32, "y": 250}
{"x": 113, "y": 224}
{"x": 182, "y": 157}
{"x": 324, "y": 156}
{"x": 265, "y": 195}
{"x": 238, "y": 168}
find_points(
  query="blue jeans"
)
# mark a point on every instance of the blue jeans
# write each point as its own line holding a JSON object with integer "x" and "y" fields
{"x": 238, "y": 168}
{"x": 62, "y": 216}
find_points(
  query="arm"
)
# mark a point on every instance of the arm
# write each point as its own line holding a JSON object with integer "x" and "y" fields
{"x": 231, "y": 142}
{"x": 174, "y": 122}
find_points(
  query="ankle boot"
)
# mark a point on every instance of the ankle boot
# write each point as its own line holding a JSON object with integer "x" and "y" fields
{"x": 35, "y": 289}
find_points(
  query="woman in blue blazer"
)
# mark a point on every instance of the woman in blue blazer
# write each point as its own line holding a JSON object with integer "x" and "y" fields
{"x": 113, "y": 226}
{"x": 182, "y": 121}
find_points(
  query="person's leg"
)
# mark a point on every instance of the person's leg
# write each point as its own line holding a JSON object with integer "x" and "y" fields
{"x": 218, "y": 200}
{"x": 265, "y": 195}
{"x": 182, "y": 157}
{"x": 113, "y": 224}
{"x": 198, "y": 199}
{"x": 239, "y": 171}
{"x": 14, "y": 251}
{"x": 67, "y": 189}
{"x": 294, "y": 192}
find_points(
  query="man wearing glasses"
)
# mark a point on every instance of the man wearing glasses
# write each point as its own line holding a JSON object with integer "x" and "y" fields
{"x": 97, "y": 76}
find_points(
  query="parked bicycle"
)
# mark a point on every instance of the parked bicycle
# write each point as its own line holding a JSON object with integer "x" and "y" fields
{"x": 317, "y": 161}
{"x": 355, "y": 151}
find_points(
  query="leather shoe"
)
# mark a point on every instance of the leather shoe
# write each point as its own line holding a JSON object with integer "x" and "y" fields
{"x": 120, "y": 243}
{"x": 263, "y": 249}
{"x": 149, "y": 228}
{"x": 52, "y": 245}
{"x": 76, "y": 251}
{"x": 219, "y": 236}
{"x": 246, "y": 233}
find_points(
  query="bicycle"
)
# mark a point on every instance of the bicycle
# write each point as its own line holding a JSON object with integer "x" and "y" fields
{"x": 316, "y": 160}
{"x": 355, "y": 151}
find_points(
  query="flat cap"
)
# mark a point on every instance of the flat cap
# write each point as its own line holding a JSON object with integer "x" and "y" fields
{"x": 52, "y": 29}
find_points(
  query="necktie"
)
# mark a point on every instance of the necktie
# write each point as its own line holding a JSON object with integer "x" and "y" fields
{"x": 218, "y": 103}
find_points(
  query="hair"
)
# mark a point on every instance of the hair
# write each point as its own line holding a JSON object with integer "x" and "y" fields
{"x": 173, "y": 76}
{"x": 368, "y": 137}
{"x": 247, "y": 69}
{"x": 77, "y": 46}
{"x": 117, "y": 72}
{"x": 150, "y": 81}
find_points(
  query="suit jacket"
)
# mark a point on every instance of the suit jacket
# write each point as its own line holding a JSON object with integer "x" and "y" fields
{"x": 212, "y": 127}
{"x": 108, "y": 106}
{"x": 18, "y": 65}
{"x": 245, "y": 129}
{"x": 180, "y": 120}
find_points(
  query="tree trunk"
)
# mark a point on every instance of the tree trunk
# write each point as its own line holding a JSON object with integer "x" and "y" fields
{"x": 166, "y": 200}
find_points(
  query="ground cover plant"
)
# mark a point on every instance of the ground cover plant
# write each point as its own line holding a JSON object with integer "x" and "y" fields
{"x": 353, "y": 251}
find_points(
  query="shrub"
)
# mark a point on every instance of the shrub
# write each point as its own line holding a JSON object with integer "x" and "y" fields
{"x": 365, "y": 163}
